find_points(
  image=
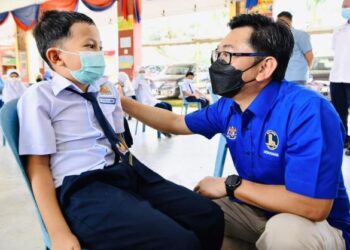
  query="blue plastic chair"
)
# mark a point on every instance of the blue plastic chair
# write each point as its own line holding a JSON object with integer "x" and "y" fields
{"x": 10, "y": 128}
{"x": 144, "y": 129}
{"x": 185, "y": 103}
{"x": 222, "y": 147}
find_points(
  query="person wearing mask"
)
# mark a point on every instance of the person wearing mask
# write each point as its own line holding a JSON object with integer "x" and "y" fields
{"x": 143, "y": 89}
{"x": 301, "y": 60}
{"x": 13, "y": 88}
{"x": 126, "y": 86}
{"x": 339, "y": 76}
{"x": 191, "y": 93}
{"x": 285, "y": 140}
{"x": 91, "y": 191}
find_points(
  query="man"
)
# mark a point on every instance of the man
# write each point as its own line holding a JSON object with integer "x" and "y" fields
{"x": 191, "y": 93}
{"x": 289, "y": 192}
{"x": 302, "y": 56}
{"x": 339, "y": 76}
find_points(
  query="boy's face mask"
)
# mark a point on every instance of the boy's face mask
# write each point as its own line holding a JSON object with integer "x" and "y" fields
{"x": 92, "y": 66}
{"x": 345, "y": 12}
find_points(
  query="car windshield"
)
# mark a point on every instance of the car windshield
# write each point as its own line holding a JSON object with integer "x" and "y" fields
{"x": 178, "y": 70}
{"x": 322, "y": 63}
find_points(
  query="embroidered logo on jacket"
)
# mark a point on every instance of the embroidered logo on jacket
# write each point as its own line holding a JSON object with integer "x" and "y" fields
{"x": 231, "y": 133}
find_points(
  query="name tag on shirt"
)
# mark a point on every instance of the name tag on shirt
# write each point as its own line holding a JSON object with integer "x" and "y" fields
{"x": 106, "y": 100}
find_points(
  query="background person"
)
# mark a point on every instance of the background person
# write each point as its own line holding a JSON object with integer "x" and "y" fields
{"x": 301, "y": 60}
{"x": 191, "y": 93}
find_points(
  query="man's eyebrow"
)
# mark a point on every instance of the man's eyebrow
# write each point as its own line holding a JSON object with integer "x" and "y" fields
{"x": 227, "y": 46}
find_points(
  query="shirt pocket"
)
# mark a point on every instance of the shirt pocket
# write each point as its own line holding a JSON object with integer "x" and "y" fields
{"x": 108, "y": 106}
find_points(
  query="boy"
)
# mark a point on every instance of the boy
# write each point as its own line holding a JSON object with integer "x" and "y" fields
{"x": 86, "y": 191}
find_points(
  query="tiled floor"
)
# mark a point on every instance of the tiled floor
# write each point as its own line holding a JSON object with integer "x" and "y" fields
{"x": 182, "y": 159}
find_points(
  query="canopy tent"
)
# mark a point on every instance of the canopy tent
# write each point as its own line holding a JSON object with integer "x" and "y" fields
{"x": 27, "y": 12}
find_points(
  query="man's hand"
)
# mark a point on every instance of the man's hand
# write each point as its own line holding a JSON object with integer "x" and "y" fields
{"x": 211, "y": 187}
{"x": 65, "y": 241}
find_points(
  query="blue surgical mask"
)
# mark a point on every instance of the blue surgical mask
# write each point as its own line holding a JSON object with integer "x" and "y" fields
{"x": 345, "y": 12}
{"x": 92, "y": 66}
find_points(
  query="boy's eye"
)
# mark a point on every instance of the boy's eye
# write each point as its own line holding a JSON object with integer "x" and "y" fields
{"x": 91, "y": 46}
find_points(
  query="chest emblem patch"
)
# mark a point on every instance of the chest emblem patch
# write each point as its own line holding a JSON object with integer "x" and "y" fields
{"x": 271, "y": 139}
{"x": 105, "y": 90}
{"x": 231, "y": 133}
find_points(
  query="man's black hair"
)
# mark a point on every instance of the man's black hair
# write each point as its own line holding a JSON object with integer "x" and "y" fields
{"x": 189, "y": 73}
{"x": 54, "y": 26}
{"x": 286, "y": 14}
{"x": 268, "y": 37}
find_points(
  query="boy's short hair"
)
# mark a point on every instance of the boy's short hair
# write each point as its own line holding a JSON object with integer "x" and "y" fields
{"x": 285, "y": 14}
{"x": 54, "y": 26}
{"x": 189, "y": 73}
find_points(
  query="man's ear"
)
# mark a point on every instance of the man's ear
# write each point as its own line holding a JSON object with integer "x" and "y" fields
{"x": 53, "y": 55}
{"x": 266, "y": 69}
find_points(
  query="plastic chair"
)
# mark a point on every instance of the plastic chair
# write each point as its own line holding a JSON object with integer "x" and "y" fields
{"x": 185, "y": 103}
{"x": 220, "y": 157}
{"x": 222, "y": 147}
{"x": 144, "y": 129}
{"x": 10, "y": 127}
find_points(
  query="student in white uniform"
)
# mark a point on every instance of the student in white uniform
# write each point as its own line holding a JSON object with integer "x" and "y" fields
{"x": 191, "y": 93}
{"x": 143, "y": 88}
{"x": 13, "y": 87}
{"x": 125, "y": 84}
{"x": 90, "y": 190}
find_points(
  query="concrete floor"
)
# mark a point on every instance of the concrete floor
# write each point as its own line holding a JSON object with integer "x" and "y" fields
{"x": 182, "y": 159}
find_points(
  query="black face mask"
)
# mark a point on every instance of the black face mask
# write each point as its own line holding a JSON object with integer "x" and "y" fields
{"x": 226, "y": 80}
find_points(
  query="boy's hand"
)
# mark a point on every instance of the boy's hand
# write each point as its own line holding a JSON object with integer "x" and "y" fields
{"x": 65, "y": 241}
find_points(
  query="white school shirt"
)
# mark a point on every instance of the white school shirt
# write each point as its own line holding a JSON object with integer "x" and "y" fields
{"x": 143, "y": 88}
{"x": 341, "y": 47}
{"x": 188, "y": 86}
{"x": 62, "y": 124}
{"x": 128, "y": 88}
{"x": 13, "y": 89}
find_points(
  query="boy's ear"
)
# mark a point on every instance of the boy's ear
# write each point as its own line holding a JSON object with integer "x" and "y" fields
{"x": 267, "y": 68}
{"x": 53, "y": 55}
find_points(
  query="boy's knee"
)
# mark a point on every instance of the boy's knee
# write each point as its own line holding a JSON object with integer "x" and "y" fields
{"x": 180, "y": 239}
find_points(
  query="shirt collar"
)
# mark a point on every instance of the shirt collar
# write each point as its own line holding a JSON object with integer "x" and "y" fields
{"x": 265, "y": 99}
{"x": 60, "y": 83}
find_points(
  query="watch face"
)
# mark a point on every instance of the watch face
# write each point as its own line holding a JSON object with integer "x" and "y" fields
{"x": 232, "y": 180}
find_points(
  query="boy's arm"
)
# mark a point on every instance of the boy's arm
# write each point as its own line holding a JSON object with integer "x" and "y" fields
{"x": 157, "y": 118}
{"x": 40, "y": 177}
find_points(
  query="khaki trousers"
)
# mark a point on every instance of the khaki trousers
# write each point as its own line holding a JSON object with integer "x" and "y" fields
{"x": 247, "y": 227}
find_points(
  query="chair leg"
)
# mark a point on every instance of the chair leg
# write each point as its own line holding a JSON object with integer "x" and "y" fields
{"x": 137, "y": 124}
{"x": 143, "y": 127}
{"x": 158, "y": 134}
{"x": 220, "y": 157}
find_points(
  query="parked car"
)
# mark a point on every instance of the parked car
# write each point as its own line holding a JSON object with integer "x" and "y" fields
{"x": 168, "y": 81}
{"x": 319, "y": 75}
{"x": 153, "y": 71}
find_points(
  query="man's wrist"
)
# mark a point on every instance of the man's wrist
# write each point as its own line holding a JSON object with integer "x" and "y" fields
{"x": 232, "y": 182}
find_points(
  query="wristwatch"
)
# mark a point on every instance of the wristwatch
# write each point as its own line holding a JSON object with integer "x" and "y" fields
{"x": 232, "y": 182}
